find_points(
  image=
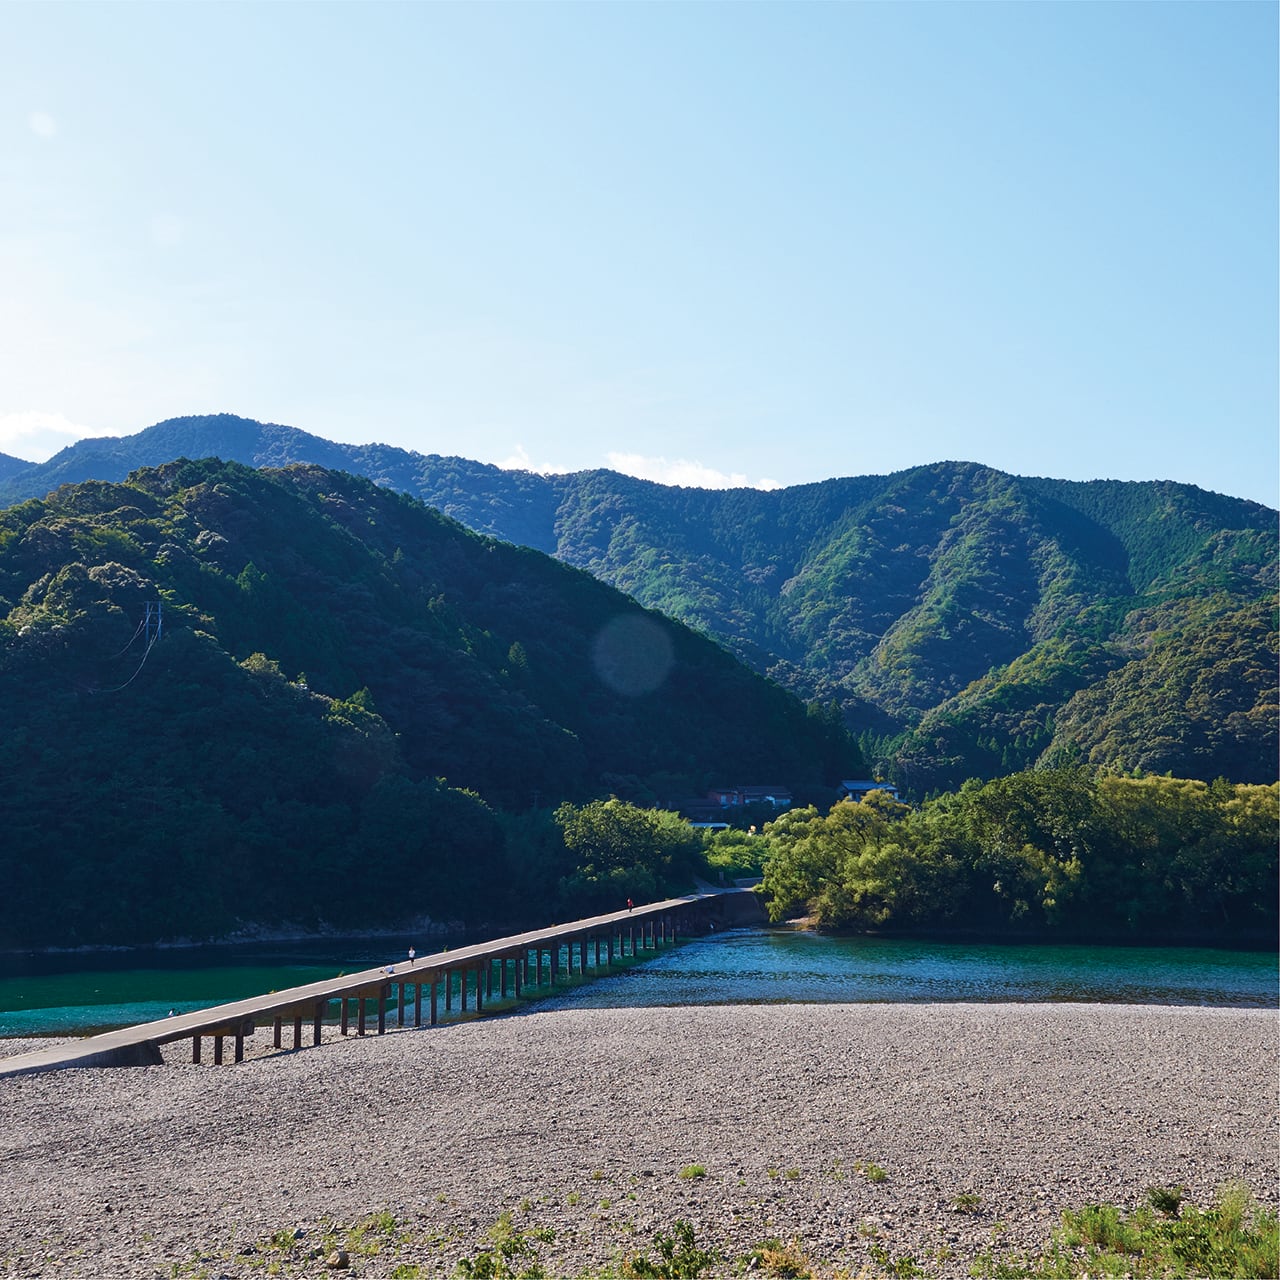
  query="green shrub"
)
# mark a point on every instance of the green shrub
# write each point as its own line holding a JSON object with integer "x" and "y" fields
{"x": 1235, "y": 1238}
{"x": 679, "y": 1257}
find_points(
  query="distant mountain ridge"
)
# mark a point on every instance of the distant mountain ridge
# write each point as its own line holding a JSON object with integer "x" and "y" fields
{"x": 345, "y": 686}
{"x": 965, "y": 621}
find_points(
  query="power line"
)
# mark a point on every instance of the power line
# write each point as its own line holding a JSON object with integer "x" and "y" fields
{"x": 132, "y": 638}
{"x": 153, "y": 625}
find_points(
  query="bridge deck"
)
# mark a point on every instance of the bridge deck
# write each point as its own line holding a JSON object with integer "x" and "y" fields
{"x": 241, "y": 1016}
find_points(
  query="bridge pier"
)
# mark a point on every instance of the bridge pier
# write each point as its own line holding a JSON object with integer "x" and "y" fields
{"x": 536, "y": 960}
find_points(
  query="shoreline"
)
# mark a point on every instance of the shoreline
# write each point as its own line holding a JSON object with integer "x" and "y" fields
{"x": 248, "y": 938}
{"x": 580, "y": 1122}
{"x": 426, "y": 927}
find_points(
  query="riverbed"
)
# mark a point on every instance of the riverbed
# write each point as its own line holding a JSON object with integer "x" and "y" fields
{"x": 926, "y": 1131}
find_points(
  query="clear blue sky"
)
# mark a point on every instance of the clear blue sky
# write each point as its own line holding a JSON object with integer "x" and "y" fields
{"x": 703, "y": 242}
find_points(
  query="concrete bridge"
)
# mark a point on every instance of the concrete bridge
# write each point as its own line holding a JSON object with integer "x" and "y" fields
{"x": 467, "y": 977}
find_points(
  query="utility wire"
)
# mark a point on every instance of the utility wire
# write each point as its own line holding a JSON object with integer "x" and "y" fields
{"x": 132, "y": 638}
{"x": 146, "y": 653}
{"x": 154, "y": 617}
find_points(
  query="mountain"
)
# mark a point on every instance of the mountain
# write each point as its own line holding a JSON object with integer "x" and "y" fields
{"x": 964, "y": 621}
{"x": 273, "y": 695}
{"x": 11, "y": 466}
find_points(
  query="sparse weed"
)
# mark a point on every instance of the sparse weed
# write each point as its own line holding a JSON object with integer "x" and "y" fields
{"x": 693, "y": 1171}
{"x": 513, "y": 1256}
{"x": 1234, "y": 1237}
{"x": 1166, "y": 1200}
{"x": 679, "y": 1257}
{"x": 966, "y": 1202}
{"x": 904, "y": 1268}
{"x": 773, "y": 1258}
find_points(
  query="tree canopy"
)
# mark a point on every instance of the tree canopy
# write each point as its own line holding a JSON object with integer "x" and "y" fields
{"x": 950, "y": 613}
{"x": 1043, "y": 853}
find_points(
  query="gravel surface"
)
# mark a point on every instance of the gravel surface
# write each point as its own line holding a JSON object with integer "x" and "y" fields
{"x": 581, "y": 1122}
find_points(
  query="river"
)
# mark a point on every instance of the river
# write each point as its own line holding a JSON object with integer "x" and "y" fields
{"x": 75, "y": 993}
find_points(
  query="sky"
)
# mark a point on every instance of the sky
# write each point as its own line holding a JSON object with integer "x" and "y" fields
{"x": 704, "y": 243}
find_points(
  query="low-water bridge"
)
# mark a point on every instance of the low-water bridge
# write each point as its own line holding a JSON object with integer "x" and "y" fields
{"x": 468, "y": 976}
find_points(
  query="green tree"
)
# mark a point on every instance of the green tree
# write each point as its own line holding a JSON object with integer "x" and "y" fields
{"x": 621, "y": 852}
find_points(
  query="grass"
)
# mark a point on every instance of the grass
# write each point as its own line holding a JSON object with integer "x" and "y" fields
{"x": 904, "y": 1267}
{"x": 1234, "y": 1238}
{"x": 1167, "y": 1238}
{"x": 786, "y": 1261}
{"x": 511, "y": 1255}
{"x": 679, "y": 1257}
{"x": 694, "y": 1171}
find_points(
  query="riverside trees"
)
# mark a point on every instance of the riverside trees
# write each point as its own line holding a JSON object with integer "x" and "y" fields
{"x": 1055, "y": 852}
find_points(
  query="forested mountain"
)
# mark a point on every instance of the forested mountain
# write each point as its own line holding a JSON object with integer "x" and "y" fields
{"x": 341, "y": 688}
{"x": 963, "y": 621}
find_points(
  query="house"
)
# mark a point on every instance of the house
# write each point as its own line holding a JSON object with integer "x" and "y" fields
{"x": 736, "y": 797}
{"x": 856, "y": 789}
{"x": 722, "y": 802}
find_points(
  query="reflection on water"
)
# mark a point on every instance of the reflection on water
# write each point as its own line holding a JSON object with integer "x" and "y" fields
{"x": 71, "y": 995}
{"x": 755, "y": 966}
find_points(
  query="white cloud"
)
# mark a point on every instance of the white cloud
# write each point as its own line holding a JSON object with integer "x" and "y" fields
{"x": 683, "y": 471}
{"x": 520, "y": 461}
{"x": 42, "y": 124}
{"x": 37, "y": 436}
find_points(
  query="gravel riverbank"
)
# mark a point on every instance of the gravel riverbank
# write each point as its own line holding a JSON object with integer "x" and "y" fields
{"x": 582, "y": 1121}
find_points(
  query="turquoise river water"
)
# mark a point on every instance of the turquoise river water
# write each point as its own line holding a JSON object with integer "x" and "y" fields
{"x": 72, "y": 994}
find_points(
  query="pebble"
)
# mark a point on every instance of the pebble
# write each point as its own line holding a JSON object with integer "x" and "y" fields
{"x": 1031, "y": 1108}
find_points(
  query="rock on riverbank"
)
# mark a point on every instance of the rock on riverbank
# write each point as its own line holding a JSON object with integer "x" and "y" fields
{"x": 582, "y": 1121}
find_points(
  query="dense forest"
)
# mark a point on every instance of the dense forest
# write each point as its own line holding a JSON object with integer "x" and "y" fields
{"x": 339, "y": 708}
{"x": 298, "y": 696}
{"x": 1046, "y": 853}
{"x": 962, "y": 622}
